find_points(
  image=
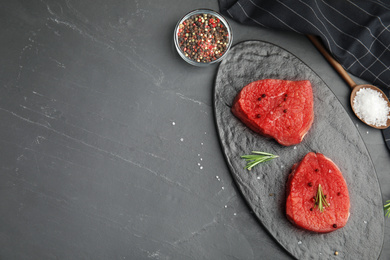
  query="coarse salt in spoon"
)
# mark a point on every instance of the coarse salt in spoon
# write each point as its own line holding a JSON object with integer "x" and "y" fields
{"x": 368, "y": 102}
{"x": 369, "y": 105}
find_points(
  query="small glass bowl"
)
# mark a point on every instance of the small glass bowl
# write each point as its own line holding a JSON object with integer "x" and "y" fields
{"x": 214, "y": 56}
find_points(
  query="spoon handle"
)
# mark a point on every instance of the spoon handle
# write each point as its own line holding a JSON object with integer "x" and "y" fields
{"x": 332, "y": 61}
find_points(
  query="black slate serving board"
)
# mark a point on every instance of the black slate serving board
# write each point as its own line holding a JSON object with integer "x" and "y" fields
{"x": 333, "y": 134}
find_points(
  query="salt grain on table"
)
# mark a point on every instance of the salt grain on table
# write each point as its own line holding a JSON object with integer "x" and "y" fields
{"x": 371, "y": 107}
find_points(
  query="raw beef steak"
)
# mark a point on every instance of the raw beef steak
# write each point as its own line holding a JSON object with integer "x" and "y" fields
{"x": 315, "y": 169}
{"x": 274, "y": 108}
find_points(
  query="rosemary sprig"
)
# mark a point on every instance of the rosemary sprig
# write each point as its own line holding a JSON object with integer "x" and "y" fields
{"x": 320, "y": 200}
{"x": 387, "y": 208}
{"x": 256, "y": 158}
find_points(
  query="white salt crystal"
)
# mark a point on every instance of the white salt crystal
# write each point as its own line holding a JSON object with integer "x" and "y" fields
{"x": 370, "y": 106}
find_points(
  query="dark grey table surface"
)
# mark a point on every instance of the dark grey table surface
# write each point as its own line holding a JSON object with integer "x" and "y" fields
{"x": 109, "y": 148}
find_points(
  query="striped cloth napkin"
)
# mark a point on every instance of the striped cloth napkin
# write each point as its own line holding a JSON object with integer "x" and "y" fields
{"x": 356, "y": 32}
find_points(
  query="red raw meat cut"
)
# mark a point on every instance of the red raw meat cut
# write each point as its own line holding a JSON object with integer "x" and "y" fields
{"x": 315, "y": 169}
{"x": 279, "y": 109}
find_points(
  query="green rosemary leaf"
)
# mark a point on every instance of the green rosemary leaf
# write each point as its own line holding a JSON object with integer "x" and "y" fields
{"x": 387, "y": 208}
{"x": 263, "y": 153}
{"x": 320, "y": 199}
{"x": 257, "y": 157}
{"x": 250, "y": 157}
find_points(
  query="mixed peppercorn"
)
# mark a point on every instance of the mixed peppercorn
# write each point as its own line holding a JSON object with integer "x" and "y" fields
{"x": 203, "y": 38}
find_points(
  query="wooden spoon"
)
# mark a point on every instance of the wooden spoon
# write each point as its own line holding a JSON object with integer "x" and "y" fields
{"x": 348, "y": 79}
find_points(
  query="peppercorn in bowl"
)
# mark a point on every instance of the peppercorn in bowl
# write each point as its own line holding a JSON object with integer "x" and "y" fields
{"x": 203, "y": 37}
